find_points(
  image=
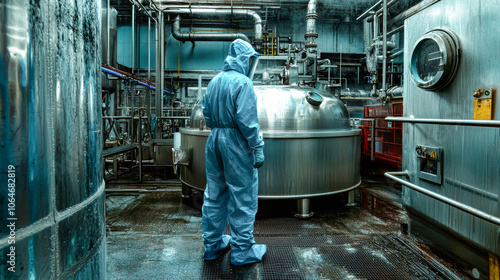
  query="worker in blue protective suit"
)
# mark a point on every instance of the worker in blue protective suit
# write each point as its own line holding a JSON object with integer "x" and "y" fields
{"x": 233, "y": 152}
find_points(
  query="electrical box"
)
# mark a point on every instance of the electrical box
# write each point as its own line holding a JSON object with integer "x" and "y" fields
{"x": 483, "y": 104}
{"x": 430, "y": 166}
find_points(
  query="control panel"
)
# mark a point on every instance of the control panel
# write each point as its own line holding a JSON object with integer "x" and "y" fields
{"x": 430, "y": 163}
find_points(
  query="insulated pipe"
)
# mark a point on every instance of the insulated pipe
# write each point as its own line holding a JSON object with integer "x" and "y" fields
{"x": 311, "y": 17}
{"x": 176, "y": 32}
{"x": 220, "y": 12}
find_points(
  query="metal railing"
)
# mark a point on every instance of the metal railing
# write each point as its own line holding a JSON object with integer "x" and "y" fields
{"x": 483, "y": 123}
{"x": 466, "y": 208}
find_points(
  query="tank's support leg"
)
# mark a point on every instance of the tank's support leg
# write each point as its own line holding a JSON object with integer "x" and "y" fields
{"x": 303, "y": 210}
{"x": 350, "y": 198}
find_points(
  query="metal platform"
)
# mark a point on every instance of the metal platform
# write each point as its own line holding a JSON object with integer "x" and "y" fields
{"x": 155, "y": 236}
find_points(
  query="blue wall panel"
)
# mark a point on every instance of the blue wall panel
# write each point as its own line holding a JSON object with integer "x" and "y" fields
{"x": 333, "y": 37}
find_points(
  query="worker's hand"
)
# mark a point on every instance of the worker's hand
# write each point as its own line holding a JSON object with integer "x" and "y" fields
{"x": 259, "y": 158}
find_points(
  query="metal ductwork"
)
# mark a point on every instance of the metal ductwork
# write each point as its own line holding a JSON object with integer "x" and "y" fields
{"x": 216, "y": 13}
{"x": 311, "y": 17}
{"x": 176, "y": 32}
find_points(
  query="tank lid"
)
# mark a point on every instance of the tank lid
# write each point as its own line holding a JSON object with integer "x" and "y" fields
{"x": 291, "y": 108}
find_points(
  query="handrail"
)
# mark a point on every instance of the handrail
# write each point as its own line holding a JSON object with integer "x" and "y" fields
{"x": 363, "y": 15}
{"x": 466, "y": 208}
{"x": 483, "y": 123}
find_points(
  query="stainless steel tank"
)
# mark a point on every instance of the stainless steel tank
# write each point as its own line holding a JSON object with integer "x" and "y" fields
{"x": 310, "y": 149}
{"x": 50, "y": 133}
{"x": 448, "y": 55}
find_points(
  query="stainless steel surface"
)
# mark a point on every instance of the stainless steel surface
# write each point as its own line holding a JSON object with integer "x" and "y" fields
{"x": 471, "y": 154}
{"x": 50, "y": 131}
{"x": 211, "y": 12}
{"x": 163, "y": 151}
{"x": 284, "y": 109}
{"x": 481, "y": 123}
{"x": 473, "y": 211}
{"x": 321, "y": 151}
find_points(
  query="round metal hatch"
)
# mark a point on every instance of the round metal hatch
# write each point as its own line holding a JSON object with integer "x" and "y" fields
{"x": 434, "y": 59}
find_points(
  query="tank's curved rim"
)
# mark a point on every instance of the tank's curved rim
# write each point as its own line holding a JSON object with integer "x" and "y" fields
{"x": 287, "y": 134}
{"x": 289, "y": 196}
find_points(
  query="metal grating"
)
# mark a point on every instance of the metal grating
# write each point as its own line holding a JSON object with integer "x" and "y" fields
{"x": 288, "y": 226}
{"x": 281, "y": 263}
{"x": 218, "y": 269}
{"x": 297, "y": 249}
{"x": 358, "y": 262}
{"x": 306, "y": 241}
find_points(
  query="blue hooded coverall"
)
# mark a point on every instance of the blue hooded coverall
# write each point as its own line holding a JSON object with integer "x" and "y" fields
{"x": 230, "y": 110}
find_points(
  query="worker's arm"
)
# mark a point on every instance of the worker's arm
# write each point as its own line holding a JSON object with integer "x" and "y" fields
{"x": 206, "y": 109}
{"x": 246, "y": 115}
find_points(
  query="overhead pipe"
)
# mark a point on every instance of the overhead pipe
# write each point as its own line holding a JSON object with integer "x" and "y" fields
{"x": 399, "y": 19}
{"x": 210, "y": 12}
{"x": 176, "y": 32}
{"x": 130, "y": 77}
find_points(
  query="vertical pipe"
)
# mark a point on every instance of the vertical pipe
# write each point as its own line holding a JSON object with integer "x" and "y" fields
{"x": 163, "y": 59}
{"x": 199, "y": 86}
{"x": 358, "y": 75}
{"x": 158, "y": 70}
{"x": 179, "y": 64}
{"x": 148, "y": 90}
{"x": 384, "y": 51}
{"x": 376, "y": 51}
{"x": 373, "y": 141}
{"x": 133, "y": 38}
{"x": 340, "y": 71}
{"x": 139, "y": 140}
{"x": 107, "y": 32}
{"x": 149, "y": 49}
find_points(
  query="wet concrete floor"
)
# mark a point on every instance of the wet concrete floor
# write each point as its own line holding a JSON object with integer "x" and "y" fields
{"x": 155, "y": 235}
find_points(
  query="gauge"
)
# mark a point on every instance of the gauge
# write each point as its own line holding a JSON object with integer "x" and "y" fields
{"x": 434, "y": 59}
